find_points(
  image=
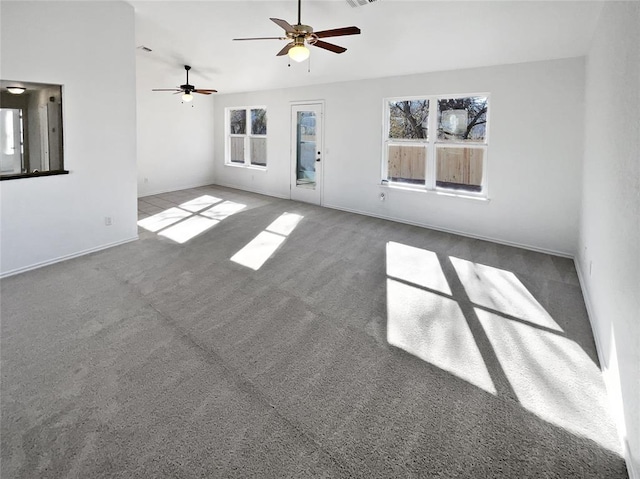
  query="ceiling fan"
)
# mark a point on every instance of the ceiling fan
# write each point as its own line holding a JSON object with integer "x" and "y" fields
{"x": 187, "y": 89}
{"x": 299, "y": 35}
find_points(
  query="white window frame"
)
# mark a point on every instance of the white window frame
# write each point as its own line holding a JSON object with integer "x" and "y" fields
{"x": 247, "y": 137}
{"x": 431, "y": 144}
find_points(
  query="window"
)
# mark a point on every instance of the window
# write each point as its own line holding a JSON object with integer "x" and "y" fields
{"x": 30, "y": 130}
{"x": 246, "y": 136}
{"x": 437, "y": 143}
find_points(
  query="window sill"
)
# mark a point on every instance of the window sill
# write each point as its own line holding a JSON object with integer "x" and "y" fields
{"x": 439, "y": 192}
{"x": 248, "y": 167}
{"x": 20, "y": 176}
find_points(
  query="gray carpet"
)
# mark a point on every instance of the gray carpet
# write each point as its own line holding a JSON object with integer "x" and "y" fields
{"x": 360, "y": 348}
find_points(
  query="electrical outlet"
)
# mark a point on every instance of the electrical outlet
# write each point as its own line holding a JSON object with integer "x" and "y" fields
{"x": 383, "y": 196}
{"x": 108, "y": 221}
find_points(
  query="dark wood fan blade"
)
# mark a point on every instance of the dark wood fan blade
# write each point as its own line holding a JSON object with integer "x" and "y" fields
{"x": 338, "y": 32}
{"x": 166, "y": 89}
{"x": 260, "y": 38}
{"x": 285, "y": 50}
{"x": 284, "y": 24}
{"x": 205, "y": 90}
{"x": 202, "y": 92}
{"x": 329, "y": 46}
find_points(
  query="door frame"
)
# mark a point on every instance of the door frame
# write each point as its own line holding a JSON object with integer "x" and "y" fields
{"x": 292, "y": 150}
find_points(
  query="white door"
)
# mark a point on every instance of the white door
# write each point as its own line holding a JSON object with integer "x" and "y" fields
{"x": 10, "y": 131}
{"x": 306, "y": 153}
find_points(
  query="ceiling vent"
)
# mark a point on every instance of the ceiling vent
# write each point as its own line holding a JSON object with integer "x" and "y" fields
{"x": 359, "y": 3}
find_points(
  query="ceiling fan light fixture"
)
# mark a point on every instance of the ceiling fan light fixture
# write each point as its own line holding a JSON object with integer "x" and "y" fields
{"x": 187, "y": 97}
{"x": 299, "y": 53}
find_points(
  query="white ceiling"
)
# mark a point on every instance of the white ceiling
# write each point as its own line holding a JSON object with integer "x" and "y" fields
{"x": 398, "y": 38}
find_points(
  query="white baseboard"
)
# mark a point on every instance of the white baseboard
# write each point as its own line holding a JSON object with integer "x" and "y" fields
{"x": 414, "y": 223}
{"x": 244, "y": 188}
{"x": 456, "y": 232}
{"x": 59, "y": 259}
{"x": 590, "y": 313}
{"x": 176, "y": 188}
{"x": 614, "y": 395}
{"x": 633, "y": 471}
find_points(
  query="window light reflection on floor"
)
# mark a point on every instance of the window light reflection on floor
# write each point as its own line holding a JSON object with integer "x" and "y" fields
{"x": 433, "y": 328}
{"x": 163, "y": 219}
{"x": 502, "y": 291}
{"x": 417, "y": 266}
{"x": 265, "y": 244}
{"x": 193, "y": 217}
{"x": 200, "y": 203}
{"x": 549, "y": 373}
{"x": 187, "y": 229}
{"x": 552, "y": 377}
{"x": 223, "y": 210}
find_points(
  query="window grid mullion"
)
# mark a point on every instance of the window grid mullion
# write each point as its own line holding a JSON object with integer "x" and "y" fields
{"x": 430, "y": 177}
{"x": 247, "y": 142}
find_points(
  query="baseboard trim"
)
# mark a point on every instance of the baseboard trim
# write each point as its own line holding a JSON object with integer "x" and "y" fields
{"x": 613, "y": 395}
{"x": 590, "y": 314}
{"x": 59, "y": 259}
{"x": 176, "y": 188}
{"x": 398, "y": 220}
{"x": 243, "y": 188}
{"x": 456, "y": 232}
{"x": 631, "y": 469}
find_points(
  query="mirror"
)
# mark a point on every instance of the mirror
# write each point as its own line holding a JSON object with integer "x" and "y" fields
{"x": 30, "y": 129}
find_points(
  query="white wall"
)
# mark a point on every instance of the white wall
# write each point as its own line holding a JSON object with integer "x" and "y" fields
{"x": 175, "y": 139}
{"x": 609, "y": 246}
{"x": 534, "y": 156}
{"x": 88, "y": 47}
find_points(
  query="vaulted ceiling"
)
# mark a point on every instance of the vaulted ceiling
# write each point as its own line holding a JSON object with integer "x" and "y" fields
{"x": 398, "y": 38}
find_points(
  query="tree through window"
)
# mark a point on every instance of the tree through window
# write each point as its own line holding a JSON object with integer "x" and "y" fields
{"x": 454, "y": 158}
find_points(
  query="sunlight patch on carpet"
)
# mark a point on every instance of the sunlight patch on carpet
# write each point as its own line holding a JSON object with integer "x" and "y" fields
{"x": 185, "y": 223}
{"x": 552, "y": 377}
{"x": 416, "y": 266}
{"x": 200, "y": 203}
{"x": 223, "y": 210}
{"x": 501, "y": 291}
{"x": 433, "y": 328}
{"x": 262, "y": 247}
{"x": 163, "y": 219}
{"x": 188, "y": 229}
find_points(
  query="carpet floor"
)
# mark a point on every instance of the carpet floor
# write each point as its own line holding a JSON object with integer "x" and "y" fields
{"x": 248, "y": 336}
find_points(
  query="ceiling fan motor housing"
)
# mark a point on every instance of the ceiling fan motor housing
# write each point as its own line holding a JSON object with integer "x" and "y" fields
{"x": 300, "y": 33}
{"x": 301, "y": 30}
